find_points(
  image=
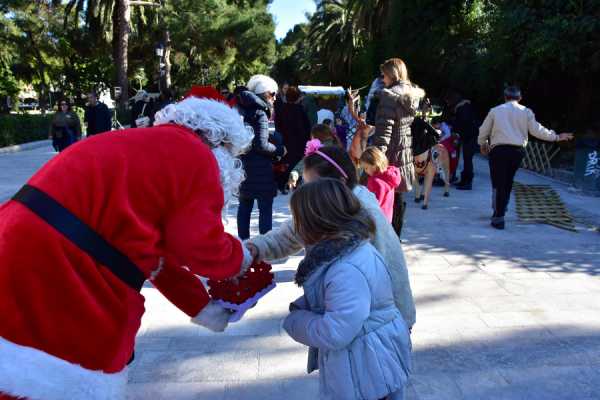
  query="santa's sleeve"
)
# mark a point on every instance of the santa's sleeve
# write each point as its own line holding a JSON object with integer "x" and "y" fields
{"x": 182, "y": 288}
{"x": 195, "y": 238}
{"x": 193, "y": 235}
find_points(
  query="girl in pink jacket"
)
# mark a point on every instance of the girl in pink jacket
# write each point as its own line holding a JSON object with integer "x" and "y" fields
{"x": 383, "y": 179}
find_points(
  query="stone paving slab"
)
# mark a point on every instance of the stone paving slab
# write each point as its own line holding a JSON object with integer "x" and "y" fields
{"x": 16, "y": 168}
{"x": 511, "y": 314}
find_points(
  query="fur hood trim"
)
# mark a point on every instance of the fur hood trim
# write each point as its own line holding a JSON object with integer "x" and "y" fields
{"x": 327, "y": 252}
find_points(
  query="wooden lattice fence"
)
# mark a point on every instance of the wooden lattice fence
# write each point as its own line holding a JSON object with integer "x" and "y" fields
{"x": 539, "y": 155}
{"x": 542, "y": 204}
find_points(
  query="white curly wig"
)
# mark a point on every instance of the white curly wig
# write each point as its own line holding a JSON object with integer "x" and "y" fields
{"x": 224, "y": 130}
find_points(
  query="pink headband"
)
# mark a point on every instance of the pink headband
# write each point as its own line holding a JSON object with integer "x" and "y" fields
{"x": 313, "y": 146}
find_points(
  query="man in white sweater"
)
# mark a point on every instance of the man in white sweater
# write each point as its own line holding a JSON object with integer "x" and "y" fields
{"x": 503, "y": 135}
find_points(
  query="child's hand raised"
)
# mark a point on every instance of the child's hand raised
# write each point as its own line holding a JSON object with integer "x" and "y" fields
{"x": 252, "y": 249}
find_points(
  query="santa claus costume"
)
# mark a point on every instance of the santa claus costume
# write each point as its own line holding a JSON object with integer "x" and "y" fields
{"x": 155, "y": 197}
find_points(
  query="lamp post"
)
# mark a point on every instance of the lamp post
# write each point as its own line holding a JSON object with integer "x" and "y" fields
{"x": 160, "y": 52}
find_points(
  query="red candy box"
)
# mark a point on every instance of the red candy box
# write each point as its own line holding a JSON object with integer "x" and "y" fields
{"x": 241, "y": 294}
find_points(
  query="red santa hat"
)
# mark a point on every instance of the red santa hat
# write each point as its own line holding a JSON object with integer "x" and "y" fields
{"x": 205, "y": 92}
{"x": 221, "y": 126}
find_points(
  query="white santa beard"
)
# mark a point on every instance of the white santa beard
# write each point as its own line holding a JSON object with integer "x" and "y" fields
{"x": 231, "y": 173}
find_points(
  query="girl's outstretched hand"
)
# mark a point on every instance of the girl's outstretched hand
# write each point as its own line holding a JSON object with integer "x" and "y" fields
{"x": 252, "y": 249}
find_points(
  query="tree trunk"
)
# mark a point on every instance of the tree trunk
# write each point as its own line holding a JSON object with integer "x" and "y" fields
{"x": 167, "y": 58}
{"x": 122, "y": 18}
{"x": 41, "y": 71}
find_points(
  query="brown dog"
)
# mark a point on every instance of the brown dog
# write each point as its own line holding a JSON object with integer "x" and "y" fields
{"x": 427, "y": 165}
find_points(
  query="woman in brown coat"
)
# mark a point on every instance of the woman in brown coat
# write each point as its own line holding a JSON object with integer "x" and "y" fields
{"x": 65, "y": 128}
{"x": 398, "y": 104}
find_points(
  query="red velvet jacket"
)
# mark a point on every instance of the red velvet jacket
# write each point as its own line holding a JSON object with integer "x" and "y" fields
{"x": 152, "y": 193}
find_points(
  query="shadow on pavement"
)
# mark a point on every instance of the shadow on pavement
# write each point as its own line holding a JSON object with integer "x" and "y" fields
{"x": 550, "y": 363}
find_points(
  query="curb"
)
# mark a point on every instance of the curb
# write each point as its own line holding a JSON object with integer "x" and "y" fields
{"x": 25, "y": 146}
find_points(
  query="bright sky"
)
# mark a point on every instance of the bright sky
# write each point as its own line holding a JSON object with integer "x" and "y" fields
{"x": 289, "y": 13}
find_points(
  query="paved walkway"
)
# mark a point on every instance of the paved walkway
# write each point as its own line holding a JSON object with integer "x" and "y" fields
{"x": 511, "y": 314}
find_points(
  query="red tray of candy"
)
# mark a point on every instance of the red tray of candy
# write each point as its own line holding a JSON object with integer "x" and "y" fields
{"x": 242, "y": 293}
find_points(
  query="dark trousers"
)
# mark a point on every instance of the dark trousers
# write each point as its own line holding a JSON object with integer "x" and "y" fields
{"x": 504, "y": 163}
{"x": 265, "y": 214}
{"x": 399, "y": 210}
{"x": 469, "y": 147}
{"x": 62, "y": 142}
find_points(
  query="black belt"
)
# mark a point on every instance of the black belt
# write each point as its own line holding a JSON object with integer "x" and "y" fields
{"x": 81, "y": 235}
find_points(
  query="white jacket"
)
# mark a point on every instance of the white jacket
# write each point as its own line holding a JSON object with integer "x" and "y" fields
{"x": 283, "y": 242}
{"x": 509, "y": 123}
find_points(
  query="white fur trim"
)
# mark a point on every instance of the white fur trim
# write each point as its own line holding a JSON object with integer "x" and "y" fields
{"x": 213, "y": 317}
{"x": 36, "y": 375}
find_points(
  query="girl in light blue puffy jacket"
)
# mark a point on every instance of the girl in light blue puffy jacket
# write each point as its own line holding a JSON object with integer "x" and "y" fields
{"x": 357, "y": 337}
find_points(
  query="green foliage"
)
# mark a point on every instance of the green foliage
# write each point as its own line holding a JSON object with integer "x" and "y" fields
{"x": 68, "y": 46}
{"x": 552, "y": 48}
{"x": 233, "y": 42}
{"x": 296, "y": 63}
{"x": 31, "y": 28}
{"x": 17, "y": 129}
{"x": 549, "y": 47}
{"x": 8, "y": 83}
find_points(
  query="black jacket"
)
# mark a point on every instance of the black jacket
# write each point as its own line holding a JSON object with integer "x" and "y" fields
{"x": 258, "y": 161}
{"x": 98, "y": 119}
{"x": 465, "y": 120}
{"x": 293, "y": 124}
{"x": 424, "y": 136}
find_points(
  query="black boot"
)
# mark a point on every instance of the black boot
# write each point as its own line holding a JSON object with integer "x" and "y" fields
{"x": 498, "y": 222}
{"x": 466, "y": 183}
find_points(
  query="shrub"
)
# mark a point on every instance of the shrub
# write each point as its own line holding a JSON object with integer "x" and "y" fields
{"x": 23, "y": 128}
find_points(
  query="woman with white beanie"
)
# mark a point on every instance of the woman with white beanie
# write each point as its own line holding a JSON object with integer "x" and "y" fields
{"x": 255, "y": 105}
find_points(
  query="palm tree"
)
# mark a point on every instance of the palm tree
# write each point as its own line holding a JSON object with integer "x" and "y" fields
{"x": 370, "y": 16}
{"x": 102, "y": 16}
{"x": 334, "y": 35}
{"x": 121, "y": 22}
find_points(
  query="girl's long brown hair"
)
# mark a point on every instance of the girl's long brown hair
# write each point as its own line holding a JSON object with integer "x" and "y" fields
{"x": 327, "y": 209}
{"x": 395, "y": 69}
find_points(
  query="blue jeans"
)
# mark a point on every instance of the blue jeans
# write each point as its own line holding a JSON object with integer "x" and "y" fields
{"x": 265, "y": 214}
